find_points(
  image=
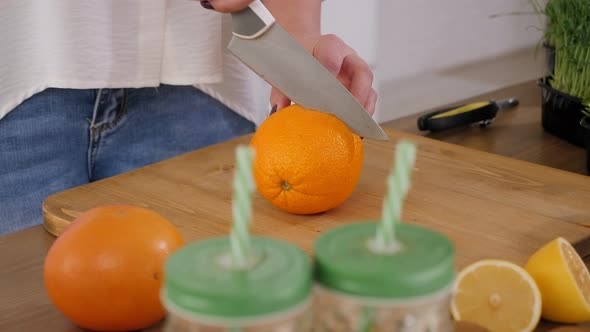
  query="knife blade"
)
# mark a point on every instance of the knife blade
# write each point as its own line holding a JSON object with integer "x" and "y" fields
{"x": 271, "y": 52}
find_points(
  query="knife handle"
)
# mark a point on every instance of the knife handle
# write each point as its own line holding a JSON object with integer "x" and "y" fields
{"x": 458, "y": 116}
{"x": 252, "y": 21}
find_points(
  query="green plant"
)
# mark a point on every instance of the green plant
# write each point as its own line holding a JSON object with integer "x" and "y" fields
{"x": 568, "y": 29}
{"x": 568, "y": 22}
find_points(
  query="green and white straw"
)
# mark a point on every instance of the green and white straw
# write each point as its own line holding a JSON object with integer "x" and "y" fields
{"x": 242, "y": 207}
{"x": 398, "y": 184}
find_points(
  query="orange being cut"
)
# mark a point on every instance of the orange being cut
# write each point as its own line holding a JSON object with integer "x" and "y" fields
{"x": 564, "y": 282}
{"x": 306, "y": 161}
{"x": 497, "y": 295}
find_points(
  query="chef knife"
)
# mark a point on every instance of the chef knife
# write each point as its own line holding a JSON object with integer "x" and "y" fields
{"x": 272, "y": 53}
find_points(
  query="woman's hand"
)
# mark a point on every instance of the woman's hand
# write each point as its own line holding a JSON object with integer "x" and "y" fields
{"x": 344, "y": 63}
{"x": 302, "y": 19}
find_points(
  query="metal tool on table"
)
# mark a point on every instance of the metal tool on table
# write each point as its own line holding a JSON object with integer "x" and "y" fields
{"x": 482, "y": 112}
{"x": 271, "y": 52}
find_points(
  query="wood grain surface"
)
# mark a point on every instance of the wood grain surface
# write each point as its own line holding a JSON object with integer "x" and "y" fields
{"x": 473, "y": 197}
{"x": 490, "y": 206}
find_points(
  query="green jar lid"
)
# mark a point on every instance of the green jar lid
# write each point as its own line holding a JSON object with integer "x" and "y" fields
{"x": 424, "y": 263}
{"x": 199, "y": 279}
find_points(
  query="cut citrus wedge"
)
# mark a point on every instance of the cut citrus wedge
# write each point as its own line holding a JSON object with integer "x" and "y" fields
{"x": 498, "y": 295}
{"x": 563, "y": 280}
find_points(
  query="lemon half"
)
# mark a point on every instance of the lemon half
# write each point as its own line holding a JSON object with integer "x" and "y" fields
{"x": 563, "y": 280}
{"x": 498, "y": 295}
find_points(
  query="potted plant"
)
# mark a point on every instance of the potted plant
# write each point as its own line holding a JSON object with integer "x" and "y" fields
{"x": 565, "y": 90}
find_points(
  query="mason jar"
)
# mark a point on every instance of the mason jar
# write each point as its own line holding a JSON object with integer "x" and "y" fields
{"x": 204, "y": 292}
{"x": 405, "y": 288}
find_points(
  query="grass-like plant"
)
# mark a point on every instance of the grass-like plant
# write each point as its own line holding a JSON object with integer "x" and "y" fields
{"x": 568, "y": 30}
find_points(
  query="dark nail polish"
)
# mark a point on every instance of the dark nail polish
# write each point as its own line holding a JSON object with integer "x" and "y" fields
{"x": 207, "y": 5}
{"x": 273, "y": 110}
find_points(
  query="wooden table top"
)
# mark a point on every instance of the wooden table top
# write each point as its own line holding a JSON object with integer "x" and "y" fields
{"x": 515, "y": 133}
{"x": 490, "y": 206}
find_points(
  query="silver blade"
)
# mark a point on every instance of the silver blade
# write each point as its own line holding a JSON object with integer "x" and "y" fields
{"x": 280, "y": 60}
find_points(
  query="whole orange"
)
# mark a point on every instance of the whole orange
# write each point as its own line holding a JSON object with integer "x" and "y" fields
{"x": 105, "y": 271}
{"x": 306, "y": 161}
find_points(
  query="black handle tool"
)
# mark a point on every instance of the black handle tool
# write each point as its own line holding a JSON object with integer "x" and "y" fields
{"x": 482, "y": 112}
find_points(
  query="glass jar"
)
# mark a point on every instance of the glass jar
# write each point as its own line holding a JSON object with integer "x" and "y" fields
{"x": 204, "y": 292}
{"x": 360, "y": 289}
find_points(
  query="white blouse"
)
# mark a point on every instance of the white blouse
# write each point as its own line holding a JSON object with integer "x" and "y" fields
{"x": 89, "y": 44}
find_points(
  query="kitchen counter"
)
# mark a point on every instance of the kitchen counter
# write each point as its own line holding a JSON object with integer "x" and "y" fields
{"x": 489, "y": 205}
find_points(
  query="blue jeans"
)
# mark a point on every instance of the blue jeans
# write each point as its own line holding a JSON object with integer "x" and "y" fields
{"x": 61, "y": 138}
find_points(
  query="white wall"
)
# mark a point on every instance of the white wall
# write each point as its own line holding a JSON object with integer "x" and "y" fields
{"x": 419, "y": 48}
{"x": 419, "y": 36}
{"x": 355, "y": 22}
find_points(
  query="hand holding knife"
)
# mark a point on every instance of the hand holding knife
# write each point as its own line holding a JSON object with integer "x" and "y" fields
{"x": 266, "y": 48}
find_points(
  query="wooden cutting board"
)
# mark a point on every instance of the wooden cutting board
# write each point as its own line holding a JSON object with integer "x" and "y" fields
{"x": 490, "y": 206}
